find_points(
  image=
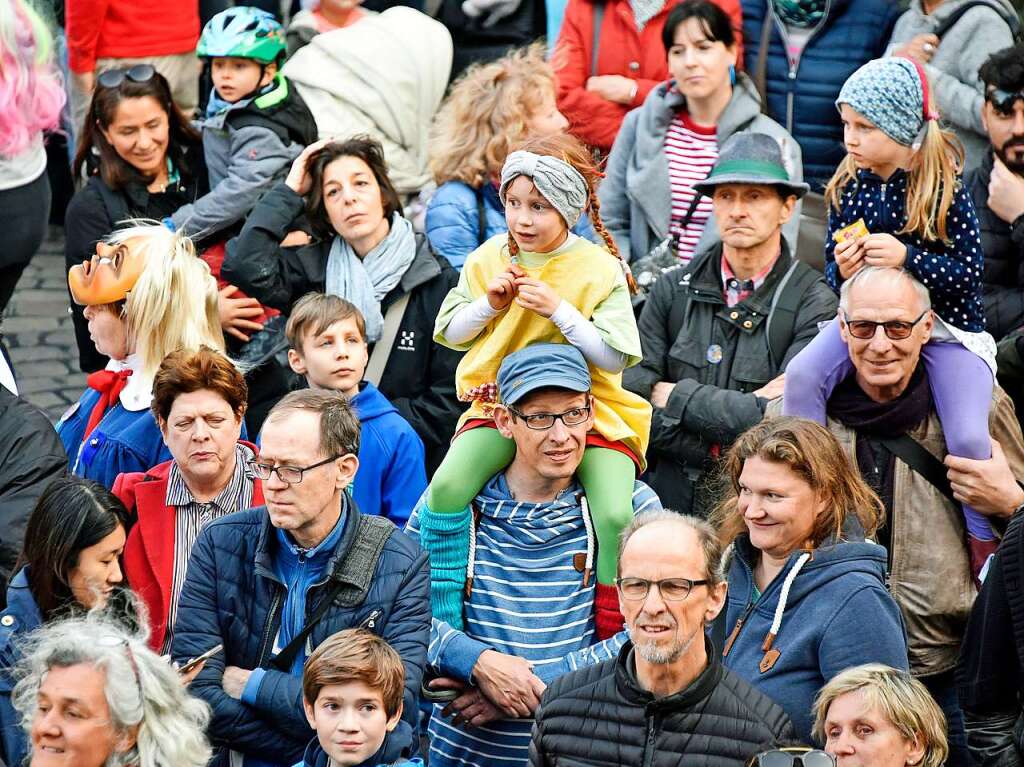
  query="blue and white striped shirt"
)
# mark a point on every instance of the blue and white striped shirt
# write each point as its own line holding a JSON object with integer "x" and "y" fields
{"x": 528, "y": 600}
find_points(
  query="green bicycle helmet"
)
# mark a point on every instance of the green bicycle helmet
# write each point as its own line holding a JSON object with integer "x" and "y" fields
{"x": 243, "y": 32}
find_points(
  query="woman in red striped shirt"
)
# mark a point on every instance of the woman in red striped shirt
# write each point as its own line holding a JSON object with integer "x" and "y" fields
{"x": 670, "y": 143}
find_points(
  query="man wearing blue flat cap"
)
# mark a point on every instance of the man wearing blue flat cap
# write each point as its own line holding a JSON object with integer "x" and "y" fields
{"x": 718, "y": 332}
{"x": 529, "y": 603}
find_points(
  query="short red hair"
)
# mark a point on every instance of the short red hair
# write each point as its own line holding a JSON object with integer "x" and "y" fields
{"x": 184, "y": 372}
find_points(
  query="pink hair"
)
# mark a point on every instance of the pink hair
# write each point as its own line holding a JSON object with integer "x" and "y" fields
{"x": 31, "y": 93}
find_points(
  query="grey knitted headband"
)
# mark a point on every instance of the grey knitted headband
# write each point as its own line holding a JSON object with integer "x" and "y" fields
{"x": 889, "y": 92}
{"x": 560, "y": 183}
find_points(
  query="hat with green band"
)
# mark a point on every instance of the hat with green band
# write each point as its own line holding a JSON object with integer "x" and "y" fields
{"x": 750, "y": 158}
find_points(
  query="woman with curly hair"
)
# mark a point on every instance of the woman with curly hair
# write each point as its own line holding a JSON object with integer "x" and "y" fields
{"x": 490, "y": 108}
{"x": 31, "y": 98}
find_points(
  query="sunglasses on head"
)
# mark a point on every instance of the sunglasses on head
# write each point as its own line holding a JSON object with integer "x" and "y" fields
{"x": 1003, "y": 101}
{"x": 793, "y": 757}
{"x": 140, "y": 73}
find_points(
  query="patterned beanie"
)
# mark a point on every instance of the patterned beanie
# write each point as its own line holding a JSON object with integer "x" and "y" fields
{"x": 890, "y": 93}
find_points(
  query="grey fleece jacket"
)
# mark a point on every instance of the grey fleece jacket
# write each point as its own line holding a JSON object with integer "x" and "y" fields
{"x": 636, "y": 199}
{"x": 243, "y": 163}
{"x": 953, "y": 70}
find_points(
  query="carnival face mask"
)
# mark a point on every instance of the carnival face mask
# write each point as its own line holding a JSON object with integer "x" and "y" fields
{"x": 109, "y": 275}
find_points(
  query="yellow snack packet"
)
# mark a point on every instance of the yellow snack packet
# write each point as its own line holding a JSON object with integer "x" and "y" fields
{"x": 853, "y": 231}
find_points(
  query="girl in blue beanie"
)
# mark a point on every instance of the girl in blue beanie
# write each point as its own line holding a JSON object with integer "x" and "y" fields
{"x": 900, "y": 181}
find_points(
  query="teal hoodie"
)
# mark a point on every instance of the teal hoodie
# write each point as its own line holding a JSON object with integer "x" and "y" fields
{"x": 838, "y": 614}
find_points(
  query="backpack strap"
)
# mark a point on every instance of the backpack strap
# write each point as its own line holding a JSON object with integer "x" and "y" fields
{"x": 950, "y": 21}
{"x": 350, "y": 582}
{"x": 595, "y": 39}
{"x": 785, "y": 304}
{"x": 761, "y": 67}
{"x": 912, "y": 453}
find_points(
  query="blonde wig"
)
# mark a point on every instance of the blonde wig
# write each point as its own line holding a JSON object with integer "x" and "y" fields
{"x": 898, "y": 697}
{"x": 174, "y": 302}
{"x": 486, "y": 113}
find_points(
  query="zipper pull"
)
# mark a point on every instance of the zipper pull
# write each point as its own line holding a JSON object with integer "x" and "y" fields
{"x": 371, "y": 620}
{"x": 732, "y": 636}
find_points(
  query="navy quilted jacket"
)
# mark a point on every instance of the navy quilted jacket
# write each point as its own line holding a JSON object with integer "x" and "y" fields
{"x": 232, "y": 595}
{"x": 802, "y": 98}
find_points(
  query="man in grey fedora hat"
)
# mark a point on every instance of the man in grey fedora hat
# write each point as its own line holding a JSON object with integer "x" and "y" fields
{"x": 718, "y": 332}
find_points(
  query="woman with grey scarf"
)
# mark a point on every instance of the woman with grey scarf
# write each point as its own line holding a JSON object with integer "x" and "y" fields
{"x": 335, "y": 225}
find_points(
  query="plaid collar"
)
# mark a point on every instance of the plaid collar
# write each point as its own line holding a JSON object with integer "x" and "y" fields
{"x": 736, "y": 290}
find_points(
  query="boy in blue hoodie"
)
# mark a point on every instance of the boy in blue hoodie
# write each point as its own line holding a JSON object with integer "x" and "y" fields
{"x": 327, "y": 335}
{"x": 352, "y": 694}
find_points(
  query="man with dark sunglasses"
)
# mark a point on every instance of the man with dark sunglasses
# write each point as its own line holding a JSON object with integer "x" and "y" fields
{"x": 529, "y": 603}
{"x": 884, "y": 417}
{"x": 997, "y": 186}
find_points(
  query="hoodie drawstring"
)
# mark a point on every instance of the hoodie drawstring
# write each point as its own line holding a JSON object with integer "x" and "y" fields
{"x": 588, "y": 566}
{"x": 771, "y": 655}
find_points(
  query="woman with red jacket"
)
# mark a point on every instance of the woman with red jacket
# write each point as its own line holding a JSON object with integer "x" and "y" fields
{"x": 199, "y": 400}
{"x": 596, "y": 92}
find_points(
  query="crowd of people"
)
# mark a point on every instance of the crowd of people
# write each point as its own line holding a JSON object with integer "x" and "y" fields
{"x": 461, "y": 398}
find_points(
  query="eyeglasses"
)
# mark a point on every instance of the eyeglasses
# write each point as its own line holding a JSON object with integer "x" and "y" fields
{"x": 895, "y": 330}
{"x": 140, "y": 73}
{"x": 1003, "y": 100}
{"x": 544, "y": 421}
{"x": 290, "y": 475}
{"x": 671, "y": 589}
{"x": 112, "y": 640}
{"x": 789, "y": 757}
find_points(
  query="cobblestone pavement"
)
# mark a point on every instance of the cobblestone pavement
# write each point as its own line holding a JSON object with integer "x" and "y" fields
{"x": 38, "y": 333}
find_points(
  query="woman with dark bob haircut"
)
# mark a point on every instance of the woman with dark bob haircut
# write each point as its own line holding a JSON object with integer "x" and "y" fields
{"x": 199, "y": 399}
{"x": 361, "y": 248}
{"x": 70, "y": 563}
{"x": 806, "y": 583}
{"x": 142, "y": 159}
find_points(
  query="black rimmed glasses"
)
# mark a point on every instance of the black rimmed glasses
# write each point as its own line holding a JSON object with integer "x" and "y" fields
{"x": 795, "y": 756}
{"x": 290, "y": 475}
{"x": 544, "y": 421}
{"x": 895, "y": 330}
{"x": 140, "y": 73}
{"x": 671, "y": 589}
{"x": 1003, "y": 101}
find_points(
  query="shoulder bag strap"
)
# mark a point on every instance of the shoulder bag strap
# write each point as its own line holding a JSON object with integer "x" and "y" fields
{"x": 912, "y": 453}
{"x": 595, "y": 40}
{"x": 785, "y": 305}
{"x": 382, "y": 349}
{"x": 761, "y": 69}
{"x": 950, "y": 21}
{"x": 354, "y": 574}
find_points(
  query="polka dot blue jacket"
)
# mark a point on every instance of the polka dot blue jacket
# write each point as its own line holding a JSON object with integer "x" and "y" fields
{"x": 951, "y": 272}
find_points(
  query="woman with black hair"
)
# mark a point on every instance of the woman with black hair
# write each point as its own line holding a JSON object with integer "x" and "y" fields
{"x": 143, "y": 160}
{"x": 70, "y": 563}
{"x": 365, "y": 251}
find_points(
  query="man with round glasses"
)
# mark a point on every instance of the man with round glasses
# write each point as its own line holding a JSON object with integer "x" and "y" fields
{"x": 884, "y": 417}
{"x": 665, "y": 698}
{"x": 528, "y": 608}
{"x": 997, "y": 187}
{"x": 273, "y": 582}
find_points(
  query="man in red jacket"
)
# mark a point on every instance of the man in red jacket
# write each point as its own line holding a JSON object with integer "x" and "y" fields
{"x": 117, "y": 34}
{"x": 596, "y": 92}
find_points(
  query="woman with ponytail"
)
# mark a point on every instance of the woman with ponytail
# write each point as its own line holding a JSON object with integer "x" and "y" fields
{"x": 145, "y": 294}
{"x": 540, "y": 283}
{"x": 897, "y": 201}
{"x": 31, "y": 97}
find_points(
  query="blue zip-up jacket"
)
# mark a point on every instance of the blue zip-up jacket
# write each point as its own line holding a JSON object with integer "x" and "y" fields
{"x": 528, "y": 600}
{"x": 123, "y": 441}
{"x": 233, "y": 595}
{"x": 392, "y": 474}
{"x": 953, "y": 272}
{"x": 802, "y": 97}
{"x": 315, "y": 756}
{"x": 837, "y": 599}
{"x": 21, "y": 617}
{"x": 453, "y": 220}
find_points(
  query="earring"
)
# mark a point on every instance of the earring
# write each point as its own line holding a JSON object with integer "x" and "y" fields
{"x": 732, "y": 74}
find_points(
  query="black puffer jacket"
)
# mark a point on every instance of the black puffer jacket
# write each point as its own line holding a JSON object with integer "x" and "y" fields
{"x": 419, "y": 377}
{"x": 601, "y": 716}
{"x": 1003, "y": 244}
{"x": 717, "y": 357}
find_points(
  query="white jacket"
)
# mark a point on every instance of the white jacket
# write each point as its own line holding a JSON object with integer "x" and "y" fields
{"x": 384, "y": 76}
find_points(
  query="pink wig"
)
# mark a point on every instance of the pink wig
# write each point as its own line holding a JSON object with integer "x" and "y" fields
{"x": 31, "y": 94}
